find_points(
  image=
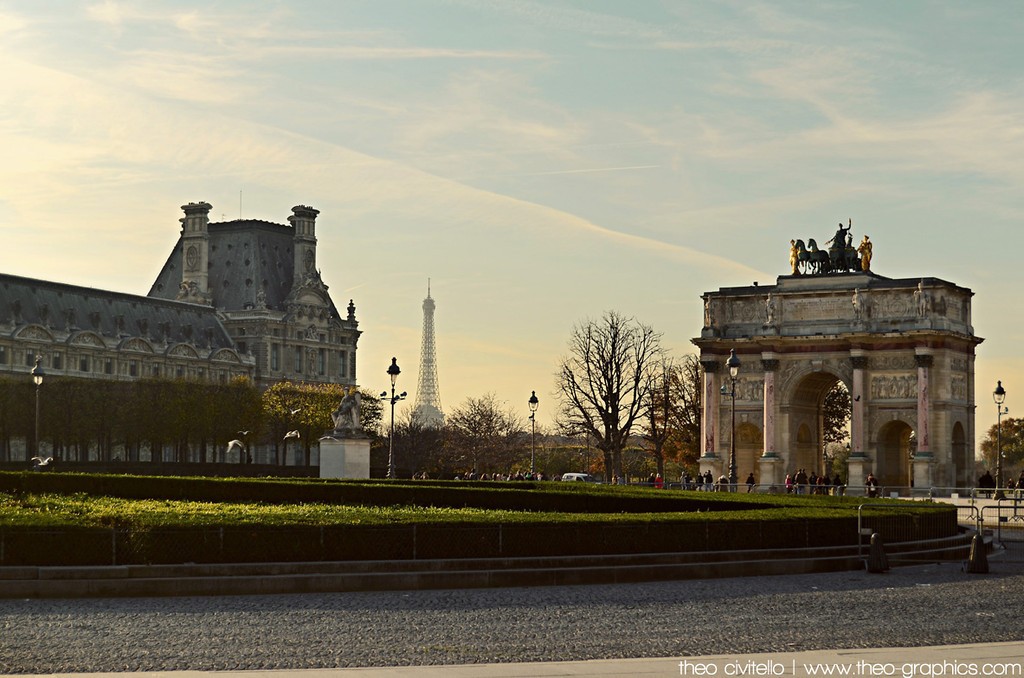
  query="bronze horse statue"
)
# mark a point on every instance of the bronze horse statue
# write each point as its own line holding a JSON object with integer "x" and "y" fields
{"x": 812, "y": 260}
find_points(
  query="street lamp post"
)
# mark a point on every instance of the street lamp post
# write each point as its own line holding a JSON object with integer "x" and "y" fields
{"x": 533, "y": 402}
{"x": 37, "y": 377}
{"x": 999, "y": 396}
{"x": 733, "y": 363}
{"x": 393, "y": 372}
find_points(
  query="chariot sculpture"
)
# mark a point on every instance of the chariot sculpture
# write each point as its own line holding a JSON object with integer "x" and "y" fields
{"x": 840, "y": 257}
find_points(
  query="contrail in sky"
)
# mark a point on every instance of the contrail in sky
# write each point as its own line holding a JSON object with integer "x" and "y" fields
{"x": 594, "y": 169}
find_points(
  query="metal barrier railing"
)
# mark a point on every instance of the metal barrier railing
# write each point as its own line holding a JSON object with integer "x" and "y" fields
{"x": 1006, "y": 510}
{"x": 901, "y": 527}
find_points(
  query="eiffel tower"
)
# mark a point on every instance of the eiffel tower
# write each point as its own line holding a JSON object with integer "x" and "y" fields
{"x": 427, "y": 410}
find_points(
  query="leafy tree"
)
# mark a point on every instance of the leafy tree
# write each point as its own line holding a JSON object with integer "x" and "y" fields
{"x": 604, "y": 381}
{"x": 1011, "y": 440}
{"x": 306, "y": 408}
{"x": 836, "y": 411}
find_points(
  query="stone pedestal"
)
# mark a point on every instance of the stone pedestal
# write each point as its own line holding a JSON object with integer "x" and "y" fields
{"x": 771, "y": 470}
{"x": 857, "y": 469}
{"x": 344, "y": 457}
{"x": 922, "y": 466}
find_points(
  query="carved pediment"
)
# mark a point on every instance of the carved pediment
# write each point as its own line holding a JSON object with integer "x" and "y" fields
{"x": 136, "y": 344}
{"x": 87, "y": 339}
{"x": 226, "y": 355}
{"x": 35, "y": 332}
{"x": 183, "y": 351}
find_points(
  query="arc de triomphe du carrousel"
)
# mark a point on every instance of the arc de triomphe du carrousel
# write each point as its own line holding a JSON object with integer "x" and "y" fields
{"x": 904, "y": 349}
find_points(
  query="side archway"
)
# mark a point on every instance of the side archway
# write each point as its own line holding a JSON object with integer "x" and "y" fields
{"x": 962, "y": 468}
{"x": 893, "y": 447}
{"x": 749, "y": 443}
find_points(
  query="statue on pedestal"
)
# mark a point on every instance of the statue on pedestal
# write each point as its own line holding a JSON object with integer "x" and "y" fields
{"x": 346, "y": 417}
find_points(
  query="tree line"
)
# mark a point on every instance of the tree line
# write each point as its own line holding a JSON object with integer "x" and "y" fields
{"x": 625, "y": 405}
{"x": 165, "y": 419}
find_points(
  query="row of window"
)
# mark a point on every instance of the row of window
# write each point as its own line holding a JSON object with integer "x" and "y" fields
{"x": 319, "y": 361}
{"x": 88, "y": 364}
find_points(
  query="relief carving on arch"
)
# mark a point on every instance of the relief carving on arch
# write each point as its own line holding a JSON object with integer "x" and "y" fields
{"x": 744, "y": 311}
{"x": 893, "y": 387}
{"x": 903, "y": 361}
{"x": 958, "y": 388}
{"x": 750, "y": 390}
{"x": 958, "y": 364}
{"x": 894, "y": 305}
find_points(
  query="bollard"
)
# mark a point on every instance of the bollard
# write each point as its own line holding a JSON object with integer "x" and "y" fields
{"x": 877, "y": 562}
{"x": 977, "y": 562}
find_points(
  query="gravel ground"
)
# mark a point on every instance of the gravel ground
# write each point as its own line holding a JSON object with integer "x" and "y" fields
{"x": 912, "y": 606}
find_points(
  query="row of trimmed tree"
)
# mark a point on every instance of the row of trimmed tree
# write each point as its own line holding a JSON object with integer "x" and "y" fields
{"x": 163, "y": 420}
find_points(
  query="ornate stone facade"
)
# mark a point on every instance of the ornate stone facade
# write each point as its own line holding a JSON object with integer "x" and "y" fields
{"x": 904, "y": 349}
{"x": 239, "y": 298}
{"x": 263, "y": 279}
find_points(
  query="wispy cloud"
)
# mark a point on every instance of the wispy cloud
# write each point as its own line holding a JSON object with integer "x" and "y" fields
{"x": 552, "y": 16}
{"x": 590, "y": 170}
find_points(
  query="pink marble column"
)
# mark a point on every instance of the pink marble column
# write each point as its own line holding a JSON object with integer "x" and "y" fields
{"x": 771, "y": 365}
{"x": 924, "y": 362}
{"x": 857, "y": 398}
{"x": 709, "y": 417}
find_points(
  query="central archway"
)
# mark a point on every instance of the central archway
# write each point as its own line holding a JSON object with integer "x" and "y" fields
{"x": 804, "y": 411}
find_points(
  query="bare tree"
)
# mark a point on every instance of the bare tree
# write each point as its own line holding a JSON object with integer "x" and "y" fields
{"x": 685, "y": 414}
{"x": 671, "y": 424}
{"x": 658, "y": 417}
{"x": 604, "y": 381}
{"x": 483, "y": 434}
{"x": 419, "y": 446}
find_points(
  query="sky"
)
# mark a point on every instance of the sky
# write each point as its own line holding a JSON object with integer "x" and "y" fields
{"x": 541, "y": 163}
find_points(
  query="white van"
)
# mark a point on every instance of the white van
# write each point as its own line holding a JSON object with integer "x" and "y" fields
{"x": 582, "y": 477}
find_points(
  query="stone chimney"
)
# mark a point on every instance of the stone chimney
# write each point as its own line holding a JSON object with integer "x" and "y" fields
{"x": 195, "y": 253}
{"x": 303, "y": 219}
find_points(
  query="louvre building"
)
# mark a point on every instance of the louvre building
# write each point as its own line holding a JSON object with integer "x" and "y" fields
{"x": 235, "y": 298}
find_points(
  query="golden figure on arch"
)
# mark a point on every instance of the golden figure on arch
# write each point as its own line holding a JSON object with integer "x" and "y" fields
{"x": 864, "y": 250}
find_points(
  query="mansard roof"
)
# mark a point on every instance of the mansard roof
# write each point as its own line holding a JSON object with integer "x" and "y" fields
{"x": 245, "y": 256}
{"x": 71, "y": 309}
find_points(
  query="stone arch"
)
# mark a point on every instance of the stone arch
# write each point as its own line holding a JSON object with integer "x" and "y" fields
{"x": 895, "y": 344}
{"x": 802, "y": 411}
{"x": 892, "y": 450}
{"x": 748, "y": 448}
{"x": 962, "y": 468}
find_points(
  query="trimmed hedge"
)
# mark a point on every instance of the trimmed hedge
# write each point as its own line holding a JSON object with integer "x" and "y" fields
{"x": 515, "y": 496}
{"x": 303, "y": 543}
{"x": 518, "y": 520}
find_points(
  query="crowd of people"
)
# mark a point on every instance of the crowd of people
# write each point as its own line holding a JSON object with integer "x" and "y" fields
{"x": 798, "y": 482}
{"x": 801, "y": 482}
{"x": 987, "y": 482}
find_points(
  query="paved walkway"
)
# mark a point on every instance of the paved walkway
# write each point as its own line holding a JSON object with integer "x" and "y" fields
{"x": 1001, "y": 660}
{"x": 919, "y": 605}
